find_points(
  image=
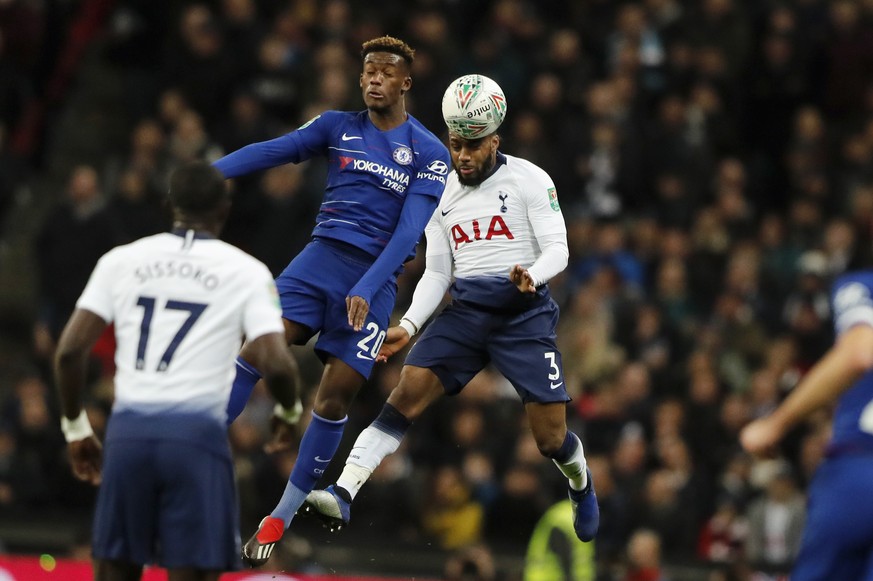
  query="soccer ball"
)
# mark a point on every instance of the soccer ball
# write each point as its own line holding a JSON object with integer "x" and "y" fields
{"x": 473, "y": 106}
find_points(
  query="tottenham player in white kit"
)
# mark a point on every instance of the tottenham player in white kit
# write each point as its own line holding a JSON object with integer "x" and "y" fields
{"x": 497, "y": 237}
{"x": 181, "y": 302}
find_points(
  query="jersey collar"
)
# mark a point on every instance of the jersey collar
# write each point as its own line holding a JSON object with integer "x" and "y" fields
{"x": 197, "y": 234}
{"x": 501, "y": 160}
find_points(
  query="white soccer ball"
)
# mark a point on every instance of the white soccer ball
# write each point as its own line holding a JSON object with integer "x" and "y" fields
{"x": 473, "y": 106}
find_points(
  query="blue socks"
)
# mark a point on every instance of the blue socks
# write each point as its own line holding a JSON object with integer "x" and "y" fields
{"x": 319, "y": 444}
{"x": 243, "y": 384}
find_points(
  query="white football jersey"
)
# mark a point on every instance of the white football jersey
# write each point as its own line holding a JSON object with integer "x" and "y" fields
{"x": 181, "y": 306}
{"x": 492, "y": 226}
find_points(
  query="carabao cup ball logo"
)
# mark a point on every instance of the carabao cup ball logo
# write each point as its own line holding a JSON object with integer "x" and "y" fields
{"x": 473, "y": 106}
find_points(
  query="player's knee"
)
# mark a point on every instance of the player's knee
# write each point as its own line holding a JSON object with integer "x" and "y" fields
{"x": 295, "y": 333}
{"x": 333, "y": 406}
{"x": 331, "y": 410}
{"x": 418, "y": 388}
{"x": 407, "y": 402}
{"x": 549, "y": 444}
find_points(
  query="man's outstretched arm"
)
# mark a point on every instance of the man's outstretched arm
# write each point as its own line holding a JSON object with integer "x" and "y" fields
{"x": 836, "y": 372}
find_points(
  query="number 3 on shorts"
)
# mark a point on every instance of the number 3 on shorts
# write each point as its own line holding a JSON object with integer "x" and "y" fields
{"x": 553, "y": 364}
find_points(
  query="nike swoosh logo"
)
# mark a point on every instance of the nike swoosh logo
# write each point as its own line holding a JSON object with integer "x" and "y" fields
{"x": 350, "y": 137}
{"x": 446, "y": 212}
{"x": 318, "y": 459}
{"x": 362, "y": 356}
{"x": 554, "y": 385}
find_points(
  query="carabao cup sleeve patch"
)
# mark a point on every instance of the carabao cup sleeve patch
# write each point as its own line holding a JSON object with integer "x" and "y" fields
{"x": 553, "y": 200}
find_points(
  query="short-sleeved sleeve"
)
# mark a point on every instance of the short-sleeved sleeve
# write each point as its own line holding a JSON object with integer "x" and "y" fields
{"x": 852, "y": 302}
{"x": 262, "y": 313}
{"x": 97, "y": 296}
{"x": 430, "y": 178}
{"x": 542, "y": 202}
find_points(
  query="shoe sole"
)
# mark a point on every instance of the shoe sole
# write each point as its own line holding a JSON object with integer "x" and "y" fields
{"x": 332, "y": 523}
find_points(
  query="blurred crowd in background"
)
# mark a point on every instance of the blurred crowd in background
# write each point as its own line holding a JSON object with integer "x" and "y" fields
{"x": 714, "y": 163}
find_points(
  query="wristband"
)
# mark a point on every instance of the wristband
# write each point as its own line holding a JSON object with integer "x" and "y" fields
{"x": 289, "y": 416}
{"x": 78, "y": 429}
{"x": 409, "y": 326}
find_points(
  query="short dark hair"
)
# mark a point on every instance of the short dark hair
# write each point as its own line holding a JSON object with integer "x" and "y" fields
{"x": 389, "y": 44}
{"x": 197, "y": 188}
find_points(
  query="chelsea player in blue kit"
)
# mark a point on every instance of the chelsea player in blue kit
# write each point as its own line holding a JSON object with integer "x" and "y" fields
{"x": 386, "y": 174}
{"x": 838, "y": 537}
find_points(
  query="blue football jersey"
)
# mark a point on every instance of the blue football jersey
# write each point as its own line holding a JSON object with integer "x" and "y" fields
{"x": 853, "y": 417}
{"x": 370, "y": 172}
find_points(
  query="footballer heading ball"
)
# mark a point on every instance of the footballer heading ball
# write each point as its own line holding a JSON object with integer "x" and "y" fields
{"x": 473, "y": 106}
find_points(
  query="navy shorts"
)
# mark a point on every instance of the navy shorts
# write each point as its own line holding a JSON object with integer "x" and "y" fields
{"x": 838, "y": 535}
{"x": 169, "y": 501}
{"x": 463, "y": 339}
{"x": 313, "y": 291}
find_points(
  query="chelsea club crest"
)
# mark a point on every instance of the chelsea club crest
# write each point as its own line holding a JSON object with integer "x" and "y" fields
{"x": 402, "y": 155}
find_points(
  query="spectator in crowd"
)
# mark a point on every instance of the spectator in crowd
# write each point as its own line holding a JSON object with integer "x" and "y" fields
{"x": 723, "y": 537}
{"x": 471, "y": 563}
{"x": 135, "y": 209}
{"x": 453, "y": 519}
{"x": 554, "y": 553}
{"x": 775, "y": 521}
{"x": 64, "y": 266}
{"x": 644, "y": 557}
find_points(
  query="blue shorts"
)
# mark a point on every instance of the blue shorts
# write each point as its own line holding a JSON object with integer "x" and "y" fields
{"x": 313, "y": 291}
{"x": 169, "y": 501}
{"x": 838, "y": 535}
{"x": 463, "y": 339}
